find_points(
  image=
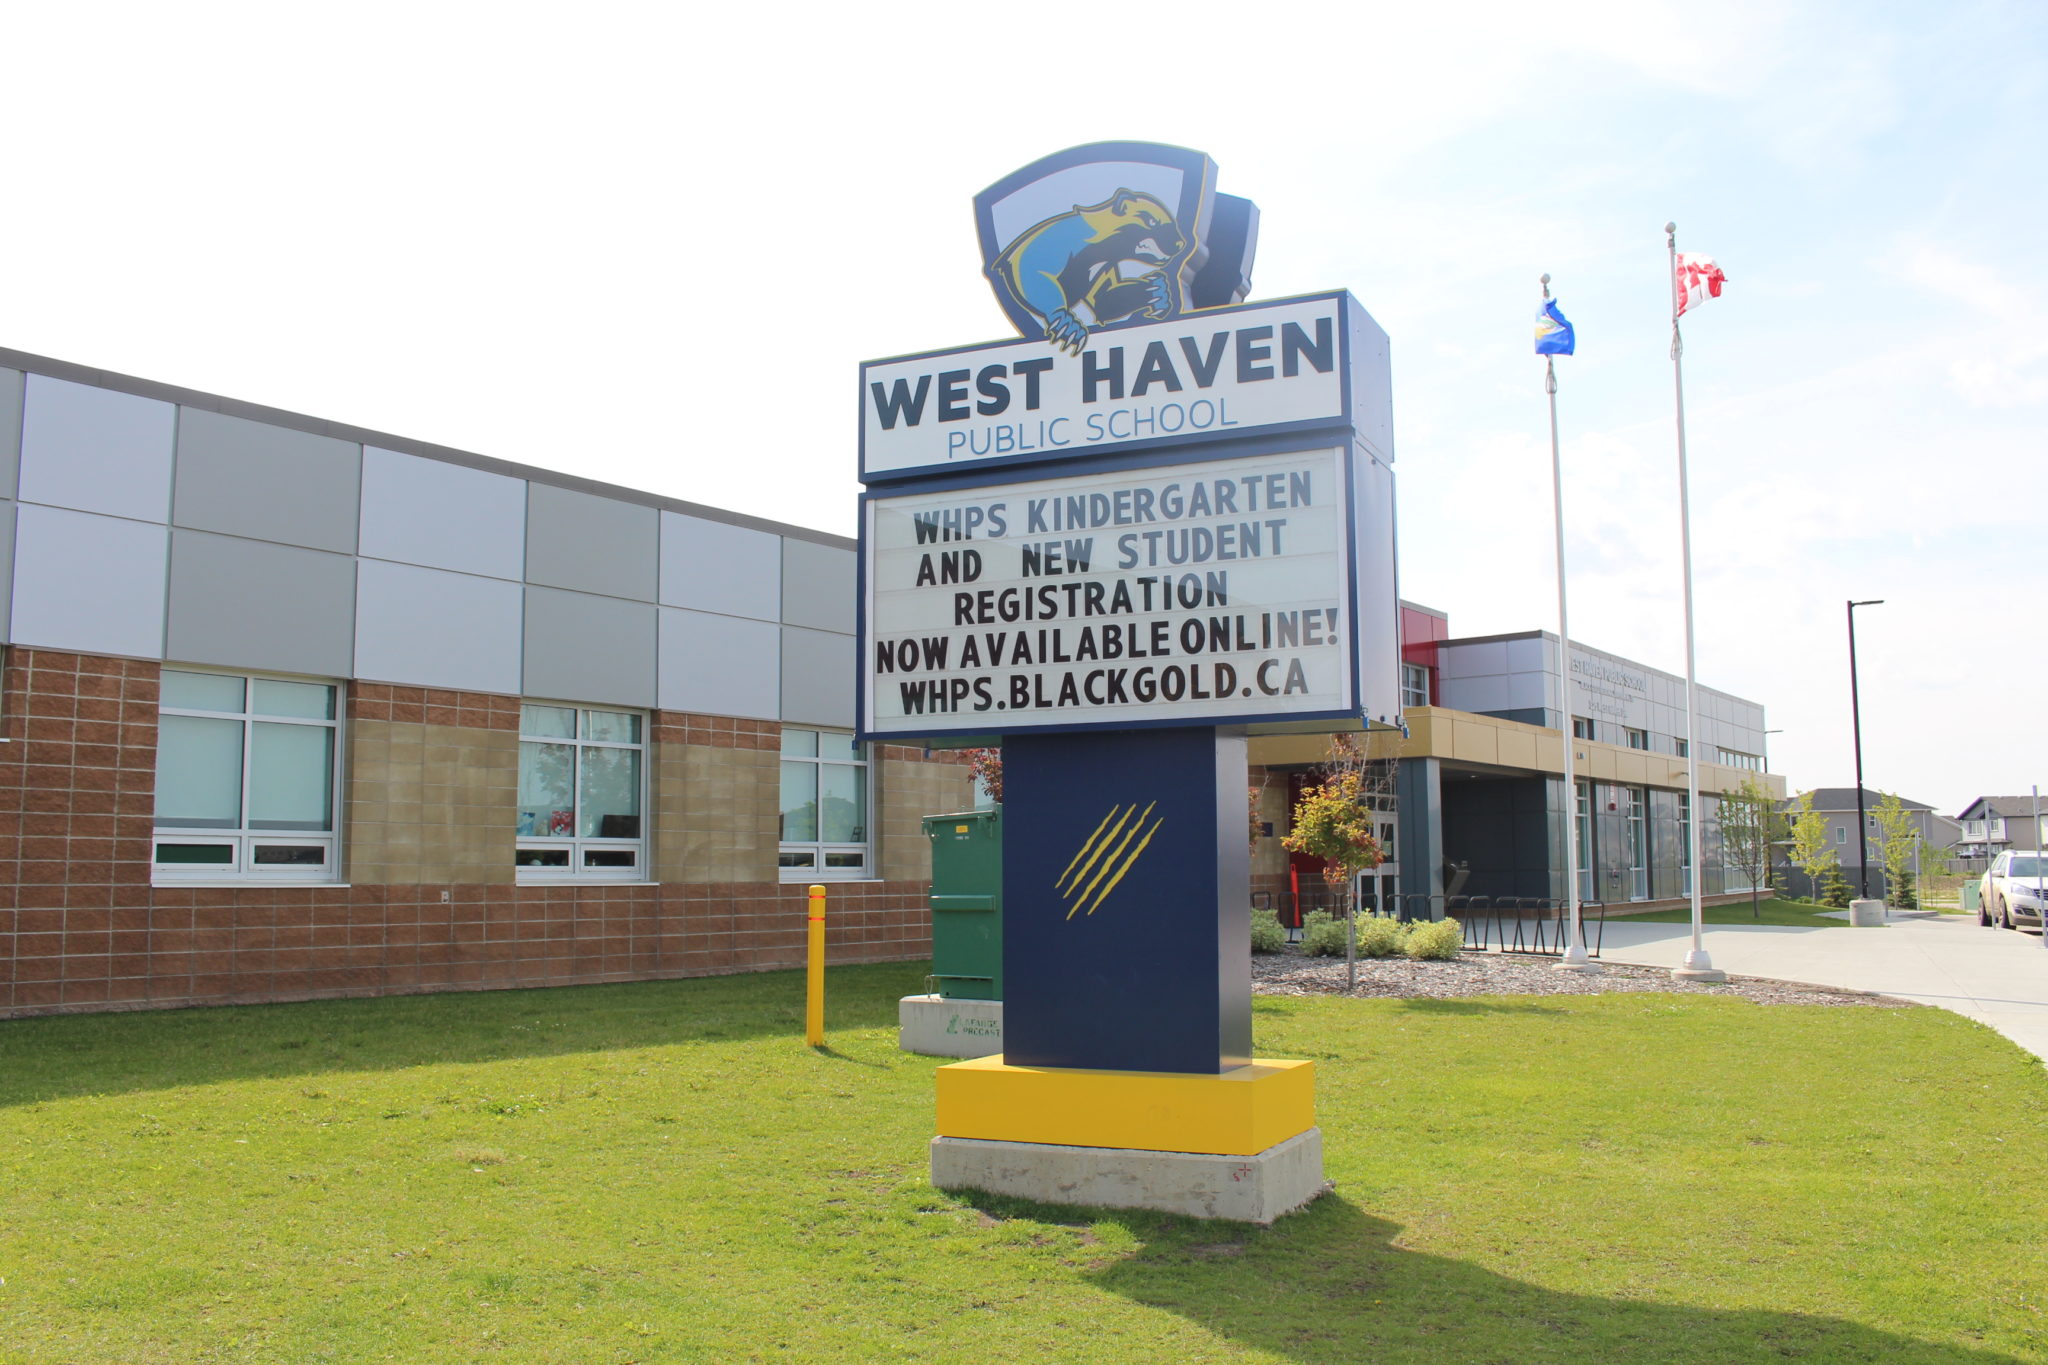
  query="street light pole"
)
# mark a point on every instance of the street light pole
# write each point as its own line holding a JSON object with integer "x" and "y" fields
{"x": 1856, "y": 726}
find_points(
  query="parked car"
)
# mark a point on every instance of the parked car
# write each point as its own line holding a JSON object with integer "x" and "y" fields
{"x": 2014, "y": 891}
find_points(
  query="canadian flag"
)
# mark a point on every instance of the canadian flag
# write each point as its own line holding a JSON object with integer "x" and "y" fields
{"x": 1698, "y": 280}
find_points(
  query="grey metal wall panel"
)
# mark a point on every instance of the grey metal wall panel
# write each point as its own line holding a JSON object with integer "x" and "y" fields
{"x": 88, "y": 583}
{"x": 266, "y": 482}
{"x": 817, "y": 677}
{"x": 719, "y": 665}
{"x": 6, "y": 566}
{"x": 442, "y": 515}
{"x": 430, "y": 628}
{"x": 95, "y": 450}
{"x": 585, "y": 648}
{"x": 591, "y": 544}
{"x": 248, "y": 604}
{"x": 713, "y": 566}
{"x": 10, "y": 429}
{"x": 817, "y": 586}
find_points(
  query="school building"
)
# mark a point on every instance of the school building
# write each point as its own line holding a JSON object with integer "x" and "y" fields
{"x": 293, "y": 709}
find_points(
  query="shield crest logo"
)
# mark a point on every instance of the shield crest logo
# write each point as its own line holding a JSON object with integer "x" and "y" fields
{"x": 1112, "y": 234}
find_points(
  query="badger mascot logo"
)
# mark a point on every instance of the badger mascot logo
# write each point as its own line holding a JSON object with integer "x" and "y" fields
{"x": 1113, "y": 234}
{"x": 1073, "y": 264}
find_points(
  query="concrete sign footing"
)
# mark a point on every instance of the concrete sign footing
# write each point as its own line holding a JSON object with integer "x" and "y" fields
{"x": 933, "y": 1026}
{"x": 1866, "y": 914}
{"x": 1250, "y": 1189}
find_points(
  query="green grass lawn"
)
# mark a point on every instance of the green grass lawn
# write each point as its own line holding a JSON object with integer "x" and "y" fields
{"x": 663, "y": 1172}
{"x": 1769, "y": 911}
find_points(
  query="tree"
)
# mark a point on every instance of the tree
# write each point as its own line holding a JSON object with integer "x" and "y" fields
{"x": 1898, "y": 842}
{"x": 1834, "y": 889}
{"x": 1335, "y": 822}
{"x": 1749, "y": 826}
{"x": 1338, "y": 822}
{"x": 1810, "y": 847}
{"x": 988, "y": 770}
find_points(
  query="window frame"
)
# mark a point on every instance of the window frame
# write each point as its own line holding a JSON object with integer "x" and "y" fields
{"x": 1414, "y": 685}
{"x": 244, "y": 839}
{"x": 578, "y": 848}
{"x": 1685, "y": 843}
{"x": 1582, "y": 831}
{"x": 822, "y": 850}
{"x": 1636, "y": 827}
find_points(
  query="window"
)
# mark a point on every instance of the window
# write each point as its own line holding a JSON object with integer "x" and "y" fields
{"x": 1684, "y": 749}
{"x": 1638, "y": 843}
{"x": 1636, "y": 739}
{"x": 824, "y": 806}
{"x": 1841, "y": 835}
{"x": 582, "y": 781}
{"x": 245, "y": 778}
{"x": 1685, "y": 843}
{"x": 1582, "y": 728}
{"x": 1734, "y": 758}
{"x": 1414, "y": 685}
{"x": 1584, "y": 826}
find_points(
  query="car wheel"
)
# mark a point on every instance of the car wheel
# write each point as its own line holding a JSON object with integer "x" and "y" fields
{"x": 1983, "y": 915}
{"x": 2004, "y": 915}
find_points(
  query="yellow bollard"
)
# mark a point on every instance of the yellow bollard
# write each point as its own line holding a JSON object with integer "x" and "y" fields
{"x": 814, "y": 1011}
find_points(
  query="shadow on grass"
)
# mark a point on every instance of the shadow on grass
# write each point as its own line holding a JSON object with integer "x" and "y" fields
{"x": 1329, "y": 1284}
{"x": 1480, "y": 1004}
{"x": 59, "y": 1056}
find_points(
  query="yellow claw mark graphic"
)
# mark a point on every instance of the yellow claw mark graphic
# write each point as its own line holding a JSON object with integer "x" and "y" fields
{"x": 1104, "y": 857}
{"x": 1127, "y": 865}
{"x": 1058, "y": 885}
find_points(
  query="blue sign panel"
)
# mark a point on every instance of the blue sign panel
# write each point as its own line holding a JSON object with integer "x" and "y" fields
{"x": 1126, "y": 937}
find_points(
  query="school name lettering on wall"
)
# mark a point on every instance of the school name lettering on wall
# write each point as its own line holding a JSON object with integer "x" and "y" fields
{"x": 1180, "y": 593}
{"x": 1604, "y": 688}
{"x": 1232, "y": 372}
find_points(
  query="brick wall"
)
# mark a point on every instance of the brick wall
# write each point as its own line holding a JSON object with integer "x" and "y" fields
{"x": 717, "y": 795}
{"x": 83, "y": 928}
{"x": 910, "y": 786}
{"x": 432, "y": 778}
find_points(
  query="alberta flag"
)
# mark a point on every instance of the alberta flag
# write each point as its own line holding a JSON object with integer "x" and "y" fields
{"x": 1553, "y": 334}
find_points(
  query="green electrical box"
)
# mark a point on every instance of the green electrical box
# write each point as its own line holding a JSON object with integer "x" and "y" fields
{"x": 967, "y": 904}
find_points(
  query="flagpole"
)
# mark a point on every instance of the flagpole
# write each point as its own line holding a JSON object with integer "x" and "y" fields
{"x": 1575, "y": 958}
{"x": 1698, "y": 965}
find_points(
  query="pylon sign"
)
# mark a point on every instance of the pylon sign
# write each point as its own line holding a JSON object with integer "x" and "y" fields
{"x": 1159, "y": 522}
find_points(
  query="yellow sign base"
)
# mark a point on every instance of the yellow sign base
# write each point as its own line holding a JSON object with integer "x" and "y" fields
{"x": 1238, "y": 1113}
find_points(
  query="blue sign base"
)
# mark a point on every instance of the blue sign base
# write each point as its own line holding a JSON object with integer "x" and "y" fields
{"x": 1127, "y": 895}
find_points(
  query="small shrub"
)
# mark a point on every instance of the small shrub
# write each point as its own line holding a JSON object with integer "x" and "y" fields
{"x": 1435, "y": 941}
{"x": 1834, "y": 889}
{"x": 1381, "y": 936}
{"x": 1322, "y": 934}
{"x": 1267, "y": 935}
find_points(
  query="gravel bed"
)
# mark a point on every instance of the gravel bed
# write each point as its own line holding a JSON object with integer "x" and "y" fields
{"x": 1291, "y": 973}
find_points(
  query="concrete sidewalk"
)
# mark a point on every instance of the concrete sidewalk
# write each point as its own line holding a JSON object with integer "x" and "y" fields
{"x": 1994, "y": 976}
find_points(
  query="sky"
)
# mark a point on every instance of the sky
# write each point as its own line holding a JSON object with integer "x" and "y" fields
{"x": 650, "y": 245}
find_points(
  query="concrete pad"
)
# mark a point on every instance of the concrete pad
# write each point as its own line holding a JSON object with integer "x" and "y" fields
{"x": 1247, "y": 1189}
{"x": 933, "y": 1026}
{"x": 1994, "y": 976}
